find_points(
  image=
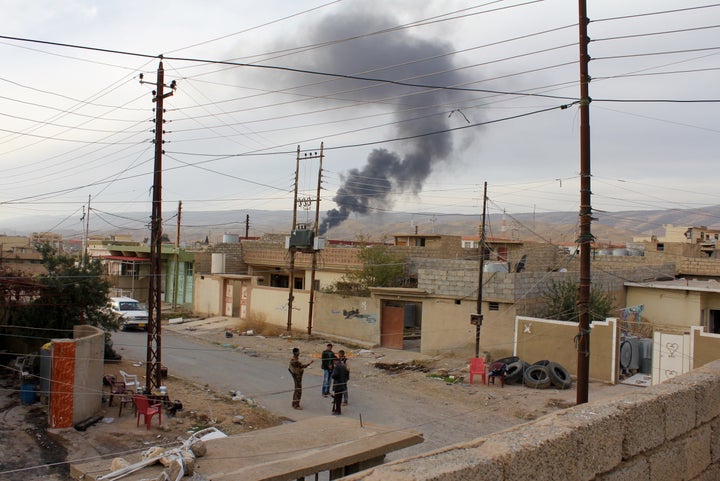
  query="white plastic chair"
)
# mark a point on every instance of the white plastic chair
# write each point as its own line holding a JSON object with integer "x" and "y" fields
{"x": 131, "y": 381}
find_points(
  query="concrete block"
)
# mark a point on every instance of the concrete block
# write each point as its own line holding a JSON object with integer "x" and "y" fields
{"x": 664, "y": 463}
{"x": 697, "y": 451}
{"x": 683, "y": 458}
{"x": 643, "y": 420}
{"x": 705, "y": 382}
{"x": 711, "y": 473}
{"x": 715, "y": 441}
{"x": 595, "y": 436}
{"x": 636, "y": 469}
{"x": 679, "y": 407}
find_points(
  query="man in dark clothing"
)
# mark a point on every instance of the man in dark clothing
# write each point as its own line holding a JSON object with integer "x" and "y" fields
{"x": 297, "y": 369}
{"x": 343, "y": 359}
{"x": 340, "y": 376}
{"x": 327, "y": 362}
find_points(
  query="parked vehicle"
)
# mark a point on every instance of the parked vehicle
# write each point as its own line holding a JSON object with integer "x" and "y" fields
{"x": 131, "y": 312}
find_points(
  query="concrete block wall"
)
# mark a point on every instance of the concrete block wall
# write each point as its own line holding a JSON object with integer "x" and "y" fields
{"x": 667, "y": 432}
{"x": 699, "y": 266}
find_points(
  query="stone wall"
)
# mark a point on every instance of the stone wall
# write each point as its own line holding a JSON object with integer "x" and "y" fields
{"x": 667, "y": 432}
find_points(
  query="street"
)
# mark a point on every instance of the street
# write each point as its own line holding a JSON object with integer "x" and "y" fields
{"x": 375, "y": 397}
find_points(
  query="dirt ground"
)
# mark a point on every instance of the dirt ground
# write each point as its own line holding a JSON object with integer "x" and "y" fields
{"x": 26, "y": 444}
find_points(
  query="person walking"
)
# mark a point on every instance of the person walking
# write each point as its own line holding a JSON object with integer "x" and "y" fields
{"x": 344, "y": 360}
{"x": 297, "y": 369}
{"x": 340, "y": 376}
{"x": 327, "y": 362}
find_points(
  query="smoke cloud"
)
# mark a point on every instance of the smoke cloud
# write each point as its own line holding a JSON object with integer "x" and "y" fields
{"x": 386, "y": 172}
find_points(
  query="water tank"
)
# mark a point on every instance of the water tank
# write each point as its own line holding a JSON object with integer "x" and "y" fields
{"x": 646, "y": 355}
{"x": 230, "y": 238}
{"x": 217, "y": 265}
{"x": 630, "y": 354}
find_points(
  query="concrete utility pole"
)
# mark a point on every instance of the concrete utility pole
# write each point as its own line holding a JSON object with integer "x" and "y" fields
{"x": 477, "y": 319}
{"x": 153, "y": 366}
{"x": 586, "y": 237}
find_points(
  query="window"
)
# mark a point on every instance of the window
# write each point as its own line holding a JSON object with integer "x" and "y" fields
{"x": 279, "y": 280}
{"x": 660, "y": 247}
{"x": 713, "y": 321}
{"x": 298, "y": 283}
{"x": 494, "y": 306}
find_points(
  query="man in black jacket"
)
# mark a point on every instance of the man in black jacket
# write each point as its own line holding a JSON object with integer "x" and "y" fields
{"x": 340, "y": 376}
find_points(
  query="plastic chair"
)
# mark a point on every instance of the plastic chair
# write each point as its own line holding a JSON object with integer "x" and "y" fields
{"x": 477, "y": 366}
{"x": 147, "y": 410}
{"x": 497, "y": 369}
{"x": 117, "y": 388}
{"x": 131, "y": 381}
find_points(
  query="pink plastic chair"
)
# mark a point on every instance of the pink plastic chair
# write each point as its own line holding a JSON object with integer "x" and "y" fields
{"x": 477, "y": 366}
{"x": 147, "y": 410}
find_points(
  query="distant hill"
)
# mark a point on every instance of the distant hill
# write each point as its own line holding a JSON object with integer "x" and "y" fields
{"x": 609, "y": 227}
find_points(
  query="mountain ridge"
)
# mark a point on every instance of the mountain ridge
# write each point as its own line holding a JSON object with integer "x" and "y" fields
{"x": 559, "y": 227}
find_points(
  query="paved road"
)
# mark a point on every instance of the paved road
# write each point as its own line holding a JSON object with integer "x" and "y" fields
{"x": 268, "y": 382}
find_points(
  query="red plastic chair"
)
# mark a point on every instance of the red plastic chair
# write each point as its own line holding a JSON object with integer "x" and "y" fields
{"x": 477, "y": 366}
{"x": 147, "y": 410}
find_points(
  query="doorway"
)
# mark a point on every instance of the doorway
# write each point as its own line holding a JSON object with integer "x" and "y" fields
{"x": 401, "y": 325}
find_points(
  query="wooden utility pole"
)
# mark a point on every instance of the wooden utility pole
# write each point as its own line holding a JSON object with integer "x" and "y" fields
{"x": 177, "y": 258}
{"x": 86, "y": 232}
{"x": 478, "y": 318}
{"x": 153, "y": 366}
{"x": 586, "y": 238}
{"x": 315, "y": 234}
{"x": 247, "y": 225}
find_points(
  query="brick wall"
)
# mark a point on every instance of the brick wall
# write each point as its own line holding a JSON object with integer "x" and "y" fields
{"x": 667, "y": 432}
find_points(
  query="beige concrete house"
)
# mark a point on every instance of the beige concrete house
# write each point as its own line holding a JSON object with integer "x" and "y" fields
{"x": 678, "y": 304}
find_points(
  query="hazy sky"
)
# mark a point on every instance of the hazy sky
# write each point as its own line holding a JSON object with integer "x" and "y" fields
{"x": 76, "y": 122}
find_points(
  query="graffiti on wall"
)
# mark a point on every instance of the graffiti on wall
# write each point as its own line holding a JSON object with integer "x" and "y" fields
{"x": 355, "y": 313}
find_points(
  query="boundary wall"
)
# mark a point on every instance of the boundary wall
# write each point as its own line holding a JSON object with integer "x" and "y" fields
{"x": 667, "y": 432}
{"x": 76, "y": 377}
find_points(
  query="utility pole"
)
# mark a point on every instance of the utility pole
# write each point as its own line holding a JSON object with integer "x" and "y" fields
{"x": 153, "y": 366}
{"x": 315, "y": 234}
{"x": 293, "y": 249}
{"x": 586, "y": 238}
{"x": 477, "y": 319}
{"x": 177, "y": 258}
{"x": 86, "y": 230}
{"x": 247, "y": 225}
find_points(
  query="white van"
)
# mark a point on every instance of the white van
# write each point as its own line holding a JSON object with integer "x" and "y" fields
{"x": 131, "y": 312}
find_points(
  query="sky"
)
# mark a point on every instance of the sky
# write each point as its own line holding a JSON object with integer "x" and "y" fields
{"x": 416, "y": 105}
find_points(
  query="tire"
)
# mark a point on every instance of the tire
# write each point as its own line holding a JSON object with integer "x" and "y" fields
{"x": 544, "y": 362}
{"x": 508, "y": 360}
{"x": 537, "y": 377}
{"x": 559, "y": 377}
{"x": 515, "y": 371}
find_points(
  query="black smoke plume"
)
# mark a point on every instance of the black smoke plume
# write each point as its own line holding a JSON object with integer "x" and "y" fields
{"x": 416, "y": 60}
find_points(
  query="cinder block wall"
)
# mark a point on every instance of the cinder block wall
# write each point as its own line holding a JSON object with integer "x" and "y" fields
{"x": 668, "y": 432}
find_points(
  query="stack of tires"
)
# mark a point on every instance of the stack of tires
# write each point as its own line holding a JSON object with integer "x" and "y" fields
{"x": 541, "y": 375}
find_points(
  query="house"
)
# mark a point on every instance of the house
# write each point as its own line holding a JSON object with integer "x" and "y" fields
{"x": 433, "y": 317}
{"x": 126, "y": 265}
{"x": 678, "y": 304}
